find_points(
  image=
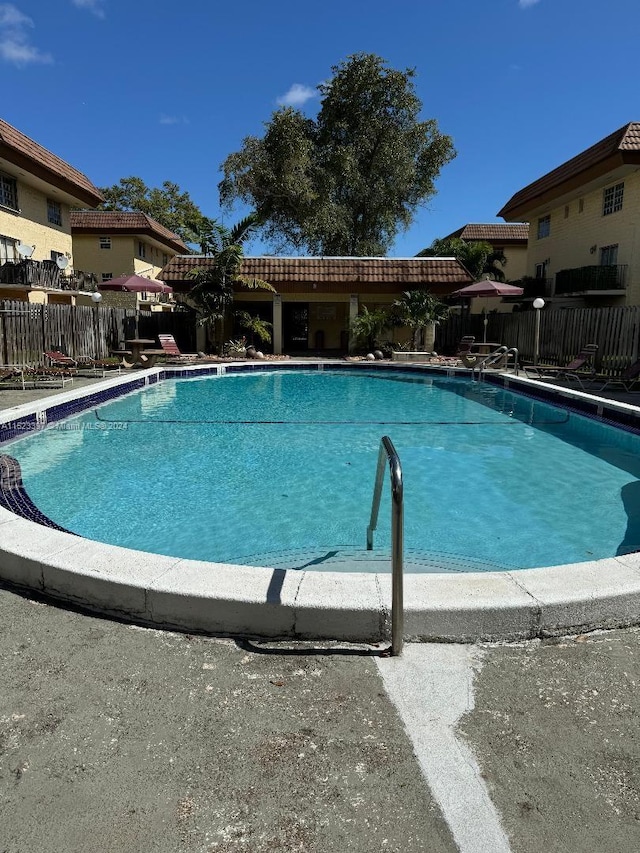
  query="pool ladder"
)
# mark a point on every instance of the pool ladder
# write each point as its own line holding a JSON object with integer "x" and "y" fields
{"x": 388, "y": 453}
{"x": 499, "y": 357}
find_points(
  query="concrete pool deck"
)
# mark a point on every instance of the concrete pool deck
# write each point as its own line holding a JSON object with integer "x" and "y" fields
{"x": 115, "y": 738}
{"x": 166, "y": 592}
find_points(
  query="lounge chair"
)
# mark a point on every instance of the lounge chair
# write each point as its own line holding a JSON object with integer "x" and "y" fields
{"x": 98, "y": 366}
{"x": 55, "y": 358}
{"x": 581, "y": 368}
{"x": 627, "y": 379}
{"x": 10, "y": 373}
{"x": 465, "y": 344}
{"x": 48, "y": 375}
{"x": 170, "y": 347}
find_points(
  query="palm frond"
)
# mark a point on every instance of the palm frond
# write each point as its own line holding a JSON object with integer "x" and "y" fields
{"x": 243, "y": 229}
{"x": 255, "y": 283}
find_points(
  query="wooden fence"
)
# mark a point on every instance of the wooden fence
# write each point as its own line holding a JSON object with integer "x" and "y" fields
{"x": 563, "y": 333}
{"x": 28, "y": 330}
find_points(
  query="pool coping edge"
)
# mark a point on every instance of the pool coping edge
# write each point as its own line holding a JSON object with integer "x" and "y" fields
{"x": 189, "y": 595}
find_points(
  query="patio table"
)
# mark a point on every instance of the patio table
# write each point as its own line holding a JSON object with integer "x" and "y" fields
{"x": 137, "y": 354}
{"x": 477, "y": 352}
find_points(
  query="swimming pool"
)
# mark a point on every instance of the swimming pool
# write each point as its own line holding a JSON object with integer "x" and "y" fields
{"x": 276, "y": 468}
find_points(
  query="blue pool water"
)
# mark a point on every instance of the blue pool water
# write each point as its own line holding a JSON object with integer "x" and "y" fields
{"x": 238, "y": 468}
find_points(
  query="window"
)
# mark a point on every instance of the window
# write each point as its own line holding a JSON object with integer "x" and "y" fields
{"x": 8, "y": 192}
{"x": 165, "y": 259}
{"x": 8, "y": 251}
{"x": 566, "y": 211}
{"x": 609, "y": 256}
{"x": 580, "y": 205}
{"x": 54, "y": 212}
{"x": 142, "y": 249}
{"x": 544, "y": 226}
{"x": 541, "y": 270}
{"x": 612, "y": 199}
{"x": 106, "y": 276}
{"x": 105, "y": 242}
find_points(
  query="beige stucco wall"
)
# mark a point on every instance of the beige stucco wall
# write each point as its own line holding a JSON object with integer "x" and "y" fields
{"x": 89, "y": 257}
{"x": 329, "y": 313}
{"x": 516, "y": 265}
{"x": 121, "y": 259}
{"x": 31, "y": 226}
{"x": 569, "y": 245}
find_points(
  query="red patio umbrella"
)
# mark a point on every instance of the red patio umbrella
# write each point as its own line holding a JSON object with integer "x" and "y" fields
{"x": 135, "y": 284}
{"x": 488, "y": 287}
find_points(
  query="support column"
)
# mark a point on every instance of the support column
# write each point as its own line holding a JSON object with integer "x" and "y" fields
{"x": 201, "y": 338}
{"x": 353, "y": 312}
{"x": 277, "y": 324}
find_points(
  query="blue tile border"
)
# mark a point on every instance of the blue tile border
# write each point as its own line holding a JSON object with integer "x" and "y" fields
{"x": 596, "y": 410}
{"x": 14, "y": 497}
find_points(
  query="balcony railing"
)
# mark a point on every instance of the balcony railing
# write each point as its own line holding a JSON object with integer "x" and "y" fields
{"x": 534, "y": 287}
{"x": 45, "y": 274}
{"x": 582, "y": 279}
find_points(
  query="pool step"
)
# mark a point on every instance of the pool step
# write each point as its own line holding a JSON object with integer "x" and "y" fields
{"x": 349, "y": 559}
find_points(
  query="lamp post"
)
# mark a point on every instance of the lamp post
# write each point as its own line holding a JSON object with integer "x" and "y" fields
{"x": 96, "y": 298}
{"x": 538, "y": 303}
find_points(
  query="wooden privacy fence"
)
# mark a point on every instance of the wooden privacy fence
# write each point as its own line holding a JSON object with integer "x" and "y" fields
{"x": 28, "y": 330}
{"x": 563, "y": 333}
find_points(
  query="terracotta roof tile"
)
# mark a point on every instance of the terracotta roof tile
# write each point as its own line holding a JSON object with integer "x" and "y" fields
{"x": 336, "y": 271}
{"x": 507, "y": 231}
{"x": 124, "y": 221}
{"x": 622, "y": 146}
{"x": 19, "y": 149}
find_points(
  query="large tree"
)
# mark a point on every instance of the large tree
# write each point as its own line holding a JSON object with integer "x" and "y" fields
{"x": 167, "y": 205}
{"x": 348, "y": 181}
{"x": 478, "y": 257}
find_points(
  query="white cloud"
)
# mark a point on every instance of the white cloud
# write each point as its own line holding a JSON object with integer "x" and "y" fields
{"x": 164, "y": 119}
{"x": 15, "y": 45}
{"x": 94, "y": 6}
{"x": 524, "y": 4}
{"x": 296, "y": 96}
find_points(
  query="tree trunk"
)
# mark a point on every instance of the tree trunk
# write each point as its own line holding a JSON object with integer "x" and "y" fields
{"x": 429, "y": 337}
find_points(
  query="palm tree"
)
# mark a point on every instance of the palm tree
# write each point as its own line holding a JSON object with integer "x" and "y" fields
{"x": 368, "y": 326}
{"x": 214, "y": 285}
{"x": 420, "y": 311}
{"x": 255, "y": 326}
{"x": 478, "y": 257}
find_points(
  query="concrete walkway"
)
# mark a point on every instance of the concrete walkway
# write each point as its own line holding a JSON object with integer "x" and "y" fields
{"x": 116, "y": 738}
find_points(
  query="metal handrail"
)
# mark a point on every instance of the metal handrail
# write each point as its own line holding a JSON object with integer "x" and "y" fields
{"x": 490, "y": 358}
{"x": 516, "y": 356}
{"x": 388, "y": 452}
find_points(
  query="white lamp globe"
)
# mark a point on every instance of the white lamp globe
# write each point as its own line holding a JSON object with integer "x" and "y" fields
{"x": 538, "y": 303}
{"x": 96, "y": 297}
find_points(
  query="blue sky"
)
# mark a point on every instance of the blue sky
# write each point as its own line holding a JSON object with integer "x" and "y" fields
{"x": 166, "y": 91}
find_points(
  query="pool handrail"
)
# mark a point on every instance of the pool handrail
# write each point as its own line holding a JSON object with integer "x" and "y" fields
{"x": 388, "y": 452}
{"x": 499, "y": 356}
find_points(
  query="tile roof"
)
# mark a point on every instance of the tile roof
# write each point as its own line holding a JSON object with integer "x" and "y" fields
{"x": 347, "y": 271}
{"x": 617, "y": 149}
{"x": 21, "y": 151}
{"x": 502, "y": 231}
{"x": 126, "y": 222}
